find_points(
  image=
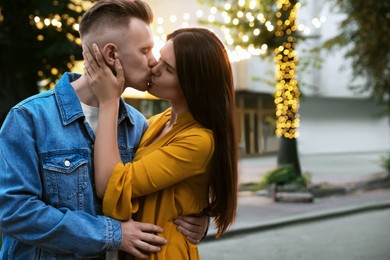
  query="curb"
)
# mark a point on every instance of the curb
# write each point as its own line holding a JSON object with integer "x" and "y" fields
{"x": 298, "y": 219}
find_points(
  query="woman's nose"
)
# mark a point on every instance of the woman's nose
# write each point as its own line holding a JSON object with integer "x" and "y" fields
{"x": 156, "y": 70}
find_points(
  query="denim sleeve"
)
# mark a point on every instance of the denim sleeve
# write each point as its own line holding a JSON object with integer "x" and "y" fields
{"x": 23, "y": 214}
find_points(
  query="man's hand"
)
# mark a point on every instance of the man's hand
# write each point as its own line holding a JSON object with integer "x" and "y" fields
{"x": 139, "y": 238}
{"x": 193, "y": 228}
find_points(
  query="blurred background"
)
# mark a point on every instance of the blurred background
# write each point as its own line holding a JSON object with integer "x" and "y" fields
{"x": 312, "y": 81}
{"x": 339, "y": 96}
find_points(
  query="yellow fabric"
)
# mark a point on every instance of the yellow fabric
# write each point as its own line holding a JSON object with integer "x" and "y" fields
{"x": 168, "y": 177}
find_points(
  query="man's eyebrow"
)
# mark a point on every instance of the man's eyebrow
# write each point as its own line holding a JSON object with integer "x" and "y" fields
{"x": 169, "y": 65}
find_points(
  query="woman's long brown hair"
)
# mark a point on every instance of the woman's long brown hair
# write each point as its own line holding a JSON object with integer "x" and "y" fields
{"x": 205, "y": 75}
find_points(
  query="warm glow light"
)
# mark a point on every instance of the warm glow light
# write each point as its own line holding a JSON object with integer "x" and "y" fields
{"x": 54, "y": 22}
{"x": 160, "y": 20}
{"x": 316, "y": 22}
{"x": 252, "y": 4}
{"x": 250, "y": 17}
{"x": 39, "y": 25}
{"x": 261, "y": 17}
{"x": 160, "y": 29}
{"x": 211, "y": 18}
{"x": 47, "y": 21}
{"x": 54, "y": 71}
{"x": 186, "y": 16}
{"x": 173, "y": 18}
{"x": 287, "y": 93}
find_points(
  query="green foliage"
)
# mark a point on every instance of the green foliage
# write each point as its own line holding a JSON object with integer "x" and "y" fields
{"x": 29, "y": 54}
{"x": 386, "y": 163}
{"x": 365, "y": 33}
{"x": 282, "y": 175}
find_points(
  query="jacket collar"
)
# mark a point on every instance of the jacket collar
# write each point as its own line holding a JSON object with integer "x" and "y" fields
{"x": 69, "y": 103}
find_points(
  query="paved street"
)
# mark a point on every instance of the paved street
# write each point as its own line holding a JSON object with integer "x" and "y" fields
{"x": 354, "y": 226}
{"x": 362, "y": 236}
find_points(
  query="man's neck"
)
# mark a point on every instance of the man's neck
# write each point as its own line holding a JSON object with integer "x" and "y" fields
{"x": 84, "y": 92}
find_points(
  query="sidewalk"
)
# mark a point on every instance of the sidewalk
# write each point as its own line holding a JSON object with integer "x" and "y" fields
{"x": 256, "y": 213}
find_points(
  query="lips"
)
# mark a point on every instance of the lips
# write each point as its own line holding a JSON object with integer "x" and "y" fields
{"x": 151, "y": 82}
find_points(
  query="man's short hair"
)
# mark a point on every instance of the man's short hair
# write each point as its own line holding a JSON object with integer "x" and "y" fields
{"x": 114, "y": 14}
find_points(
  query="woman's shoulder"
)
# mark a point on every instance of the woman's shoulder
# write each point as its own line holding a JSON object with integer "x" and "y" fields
{"x": 198, "y": 136}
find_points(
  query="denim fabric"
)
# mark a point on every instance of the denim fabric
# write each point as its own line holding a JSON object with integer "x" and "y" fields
{"x": 48, "y": 207}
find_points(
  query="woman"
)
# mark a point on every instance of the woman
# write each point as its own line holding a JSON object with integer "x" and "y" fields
{"x": 187, "y": 159}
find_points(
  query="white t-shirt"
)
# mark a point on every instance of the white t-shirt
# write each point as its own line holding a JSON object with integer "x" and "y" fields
{"x": 91, "y": 115}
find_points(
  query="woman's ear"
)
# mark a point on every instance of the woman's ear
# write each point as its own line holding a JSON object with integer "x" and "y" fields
{"x": 108, "y": 51}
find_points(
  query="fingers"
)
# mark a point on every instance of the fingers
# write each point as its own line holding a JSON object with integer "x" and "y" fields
{"x": 119, "y": 71}
{"x": 89, "y": 64}
{"x": 154, "y": 240}
{"x": 137, "y": 253}
{"x": 98, "y": 55}
{"x": 143, "y": 249}
{"x": 140, "y": 239}
{"x": 191, "y": 231}
{"x": 193, "y": 227}
{"x": 89, "y": 61}
{"x": 147, "y": 227}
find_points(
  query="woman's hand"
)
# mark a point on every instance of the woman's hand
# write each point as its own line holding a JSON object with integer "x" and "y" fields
{"x": 105, "y": 84}
{"x": 193, "y": 228}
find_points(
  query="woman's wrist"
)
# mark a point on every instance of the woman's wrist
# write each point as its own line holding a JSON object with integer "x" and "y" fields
{"x": 109, "y": 103}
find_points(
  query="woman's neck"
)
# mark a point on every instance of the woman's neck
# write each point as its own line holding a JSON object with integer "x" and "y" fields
{"x": 176, "y": 111}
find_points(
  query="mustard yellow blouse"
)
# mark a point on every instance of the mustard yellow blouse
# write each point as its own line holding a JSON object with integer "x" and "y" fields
{"x": 168, "y": 177}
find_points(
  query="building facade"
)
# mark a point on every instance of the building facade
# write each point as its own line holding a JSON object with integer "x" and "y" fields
{"x": 333, "y": 118}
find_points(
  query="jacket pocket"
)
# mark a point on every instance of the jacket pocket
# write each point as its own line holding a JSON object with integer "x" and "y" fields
{"x": 65, "y": 179}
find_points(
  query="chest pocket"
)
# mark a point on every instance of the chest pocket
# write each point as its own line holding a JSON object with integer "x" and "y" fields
{"x": 65, "y": 179}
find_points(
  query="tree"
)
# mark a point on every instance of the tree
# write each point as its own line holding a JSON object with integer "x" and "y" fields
{"x": 365, "y": 33}
{"x": 270, "y": 25}
{"x": 39, "y": 41}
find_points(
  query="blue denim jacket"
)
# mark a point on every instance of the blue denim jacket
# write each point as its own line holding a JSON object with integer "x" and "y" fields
{"x": 48, "y": 207}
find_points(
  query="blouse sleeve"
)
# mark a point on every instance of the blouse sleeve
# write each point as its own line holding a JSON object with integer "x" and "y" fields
{"x": 185, "y": 157}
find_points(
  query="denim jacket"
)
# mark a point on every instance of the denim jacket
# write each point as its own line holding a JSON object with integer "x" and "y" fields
{"x": 48, "y": 207}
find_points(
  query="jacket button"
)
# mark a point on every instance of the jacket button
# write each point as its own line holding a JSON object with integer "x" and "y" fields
{"x": 67, "y": 163}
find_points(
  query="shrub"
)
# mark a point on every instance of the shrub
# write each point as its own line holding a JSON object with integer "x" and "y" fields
{"x": 282, "y": 175}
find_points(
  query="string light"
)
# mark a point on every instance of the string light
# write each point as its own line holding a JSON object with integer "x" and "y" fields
{"x": 259, "y": 24}
{"x": 287, "y": 93}
{"x": 233, "y": 16}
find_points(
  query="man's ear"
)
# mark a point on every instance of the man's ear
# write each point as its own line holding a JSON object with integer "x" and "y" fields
{"x": 108, "y": 52}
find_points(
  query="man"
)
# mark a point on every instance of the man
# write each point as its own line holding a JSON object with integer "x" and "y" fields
{"x": 48, "y": 207}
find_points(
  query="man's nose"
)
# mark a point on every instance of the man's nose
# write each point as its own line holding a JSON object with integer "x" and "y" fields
{"x": 152, "y": 61}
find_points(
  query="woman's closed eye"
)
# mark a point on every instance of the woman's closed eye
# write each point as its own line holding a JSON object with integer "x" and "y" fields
{"x": 167, "y": 67}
